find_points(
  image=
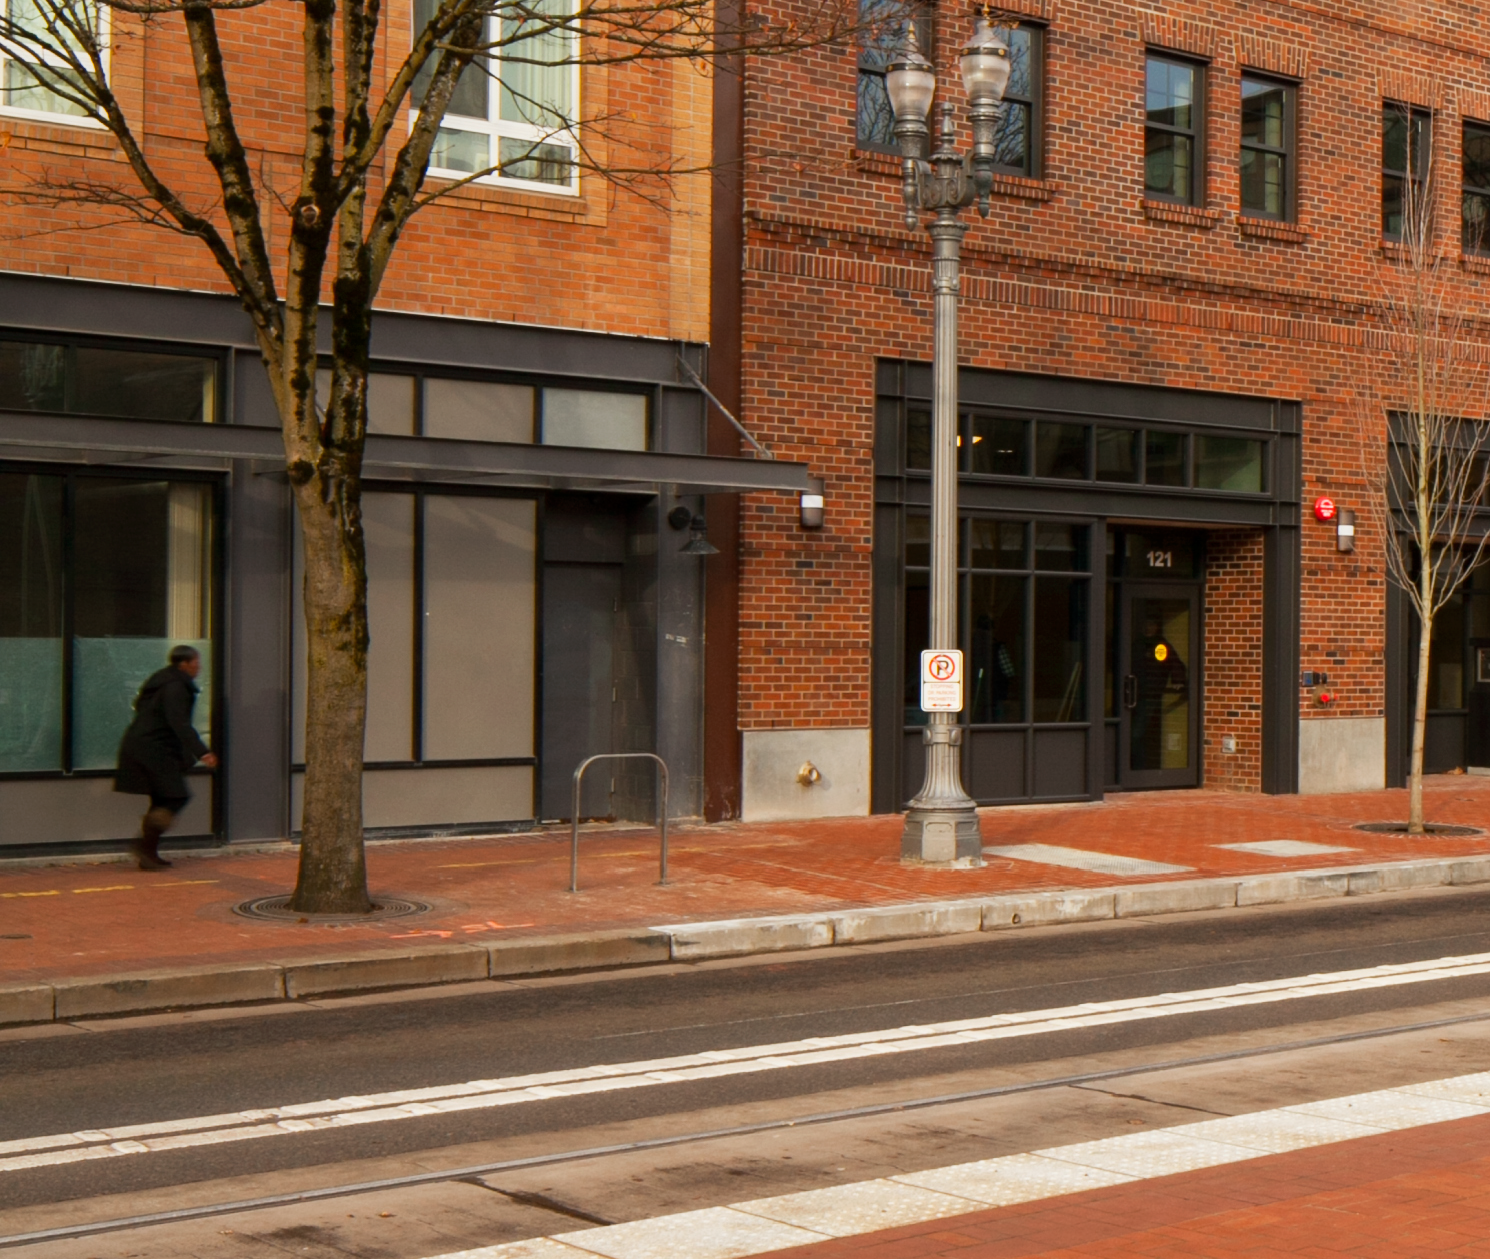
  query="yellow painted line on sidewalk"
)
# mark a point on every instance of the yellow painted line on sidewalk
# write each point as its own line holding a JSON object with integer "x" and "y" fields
{"x": 113, "y": 887}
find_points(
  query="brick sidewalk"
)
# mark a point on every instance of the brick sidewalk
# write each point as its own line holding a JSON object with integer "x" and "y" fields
{"x": 1421, "y": 1192}
{"x": 99, "y": 918}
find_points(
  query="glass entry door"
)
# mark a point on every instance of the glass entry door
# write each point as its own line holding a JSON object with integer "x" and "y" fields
{"x": 1160, "y": 708}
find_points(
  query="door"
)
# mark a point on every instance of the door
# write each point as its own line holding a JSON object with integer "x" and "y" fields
{"x": 1159, "y": 652}
{"x": 579, "y": 616}
{"x": 1477, "y": 724}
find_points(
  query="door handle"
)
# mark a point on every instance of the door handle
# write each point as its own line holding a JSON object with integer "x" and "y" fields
{"x": 1130, "y": 691}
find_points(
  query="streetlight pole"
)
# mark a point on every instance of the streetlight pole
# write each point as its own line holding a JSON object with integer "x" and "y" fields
{"x": 941, "y": 825}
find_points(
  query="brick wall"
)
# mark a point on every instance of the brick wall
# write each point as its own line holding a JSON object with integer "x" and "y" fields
{"x": 1233, "y": 660}
{"x": 606, "y": 260}
{"x": 1077, "y": 274}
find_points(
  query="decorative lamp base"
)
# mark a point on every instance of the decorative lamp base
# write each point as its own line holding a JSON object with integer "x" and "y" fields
{"x": 950, "y": 838}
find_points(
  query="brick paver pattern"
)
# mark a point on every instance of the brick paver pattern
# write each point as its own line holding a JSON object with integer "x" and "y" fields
{"x": 1421, "y": 1192}
{"x": 98, "y": 918}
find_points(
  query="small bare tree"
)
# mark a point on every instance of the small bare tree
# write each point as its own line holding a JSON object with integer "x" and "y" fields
{"x": 340, "y": 230}
{"x": 1429, "y": 379}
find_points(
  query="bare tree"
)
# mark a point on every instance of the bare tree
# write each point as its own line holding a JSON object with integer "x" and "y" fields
{"x": 340, "y": 229}
{"x": 1429, "y": 379}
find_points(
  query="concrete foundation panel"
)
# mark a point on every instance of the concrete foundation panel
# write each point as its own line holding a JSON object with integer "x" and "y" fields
{"x": 48, "y": 810}
{"x": 1342, "y": 754}
{"x": 774, "y": 759}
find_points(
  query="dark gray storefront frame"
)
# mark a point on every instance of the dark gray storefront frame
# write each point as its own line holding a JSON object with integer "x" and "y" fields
{"x": 1276, "y": 515}
{"x": 245, "y": 451}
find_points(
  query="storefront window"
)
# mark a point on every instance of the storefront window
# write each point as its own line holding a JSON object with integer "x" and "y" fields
{"x": 1024, "y": 633}
{"x": 139, "y": 582}
{"x": 31, "y": 591}
{"x": 1228, "y": 463}
{"x": 1446, "y": 656}
{"x": 126, "y": 384}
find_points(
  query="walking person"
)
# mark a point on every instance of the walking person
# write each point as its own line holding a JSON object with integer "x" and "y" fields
{"x": 159, "y": 747}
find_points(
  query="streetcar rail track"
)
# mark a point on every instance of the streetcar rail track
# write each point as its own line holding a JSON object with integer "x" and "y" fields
{"x": 331, "y": 1192}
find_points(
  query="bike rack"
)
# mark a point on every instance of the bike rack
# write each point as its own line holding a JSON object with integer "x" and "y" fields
{"x": 574, "y": 816}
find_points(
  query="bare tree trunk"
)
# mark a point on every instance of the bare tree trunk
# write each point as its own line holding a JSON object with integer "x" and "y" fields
{"x": 333, "y": 866}
{"x": 1419, "y": 736}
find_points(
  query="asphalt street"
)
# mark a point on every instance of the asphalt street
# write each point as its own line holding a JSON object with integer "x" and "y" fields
{"x": 108, "y": 1074}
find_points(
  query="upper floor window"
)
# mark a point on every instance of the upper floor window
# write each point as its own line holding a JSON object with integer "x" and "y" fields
{"x": 1174, "y": 106}
{"x": 1476, "y": 159}
{"x": 512, "y": 116}
{"x": 1017, "y": 142}
{"x": 874, "y": 120}
{"x": 30, "y": 75}
{"x": 1267, "y": 175}
{"x": 1406, "y": 138}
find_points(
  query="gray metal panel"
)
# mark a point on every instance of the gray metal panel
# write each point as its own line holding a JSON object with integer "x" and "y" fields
{"x": 1082, "y": 498}
{"x": 424, "y": 459}
{"x": 679, "y": 427}
{"x": 257, "y": 749}
{"x": 680, "y": 661}
{"x": 1098, "y": 398}
{"x": 124, "y": 310}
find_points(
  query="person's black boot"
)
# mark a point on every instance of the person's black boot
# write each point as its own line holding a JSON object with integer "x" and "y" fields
{"x": 152, "y": 826}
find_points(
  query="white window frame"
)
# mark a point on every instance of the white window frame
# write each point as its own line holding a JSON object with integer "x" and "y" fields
{"x": 46, "y": 115}
{"x": 496, "y": 129}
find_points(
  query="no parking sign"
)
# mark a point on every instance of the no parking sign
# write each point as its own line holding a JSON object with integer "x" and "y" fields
{"x": 941, "y": 681}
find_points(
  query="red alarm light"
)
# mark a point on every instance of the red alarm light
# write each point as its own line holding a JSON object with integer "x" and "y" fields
{"x": 1325, "y": 509}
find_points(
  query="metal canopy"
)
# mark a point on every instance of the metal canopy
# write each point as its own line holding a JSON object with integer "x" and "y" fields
{"x": 421, "y": 459}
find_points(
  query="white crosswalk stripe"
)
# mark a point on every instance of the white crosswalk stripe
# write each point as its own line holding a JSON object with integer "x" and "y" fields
{"x": 757, "y": 1227}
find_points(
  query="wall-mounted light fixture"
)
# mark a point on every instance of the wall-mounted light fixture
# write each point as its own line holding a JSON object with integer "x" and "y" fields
{"x": 812, "y": 505}
{"x": 698, "y": 541}
{"x": 1345, "y": 531}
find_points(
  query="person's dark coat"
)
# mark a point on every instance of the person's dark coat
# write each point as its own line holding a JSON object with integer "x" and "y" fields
{"x": 160, "y": 744}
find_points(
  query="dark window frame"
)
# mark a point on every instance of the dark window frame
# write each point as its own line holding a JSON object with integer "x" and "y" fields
{"x": 1468, "y": 190}
{"x": 1034, "y": 135}
{"x": 872, "y": 64}
{"x": 1288, "y": 152}
{"x": 72, "y": 342}
{"x": 1196, "y": 131}
{"x": 1416, "y": 180}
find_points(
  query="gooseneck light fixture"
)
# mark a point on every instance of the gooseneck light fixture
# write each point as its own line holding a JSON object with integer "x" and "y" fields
{"x": 941, "y": 825}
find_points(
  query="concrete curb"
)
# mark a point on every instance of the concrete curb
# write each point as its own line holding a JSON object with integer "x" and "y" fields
{"x": 296, "y": 978}
{"x": 693, "y": 941}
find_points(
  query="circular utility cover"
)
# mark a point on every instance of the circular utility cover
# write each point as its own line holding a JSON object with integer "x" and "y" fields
{"x": 277, "y": 909}
{"x": 1431, "y": 828}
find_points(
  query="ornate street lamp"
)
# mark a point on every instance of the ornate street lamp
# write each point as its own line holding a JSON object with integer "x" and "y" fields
{"x": 941, "y": 825}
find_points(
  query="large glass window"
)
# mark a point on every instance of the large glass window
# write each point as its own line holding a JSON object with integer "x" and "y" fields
{"x": 1406, "y": 137}
{"x": 1267, "y": 147}
{"x": 1173, "y": 130}
{"x": 31, "y": 600}
{"x": 1017, "y": 141}
{"x": 513, "y": 115}
{"x": 128, "y": 384}
{"x": 1073, "y": 450}
{"x": 1476, "y": 212}
{"x": 1022, "y": 604}
{"x": 33, "y": 81}
{"x": 1228, "y": 463}
{"x": 129, "y": 562}
{"x": 883, "y": 22}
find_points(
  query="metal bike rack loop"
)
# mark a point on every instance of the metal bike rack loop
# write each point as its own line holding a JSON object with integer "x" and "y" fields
{"x": 574, "y": 817}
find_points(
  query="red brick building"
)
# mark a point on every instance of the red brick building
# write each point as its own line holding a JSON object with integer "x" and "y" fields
{"x": 1165, "y": 322}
